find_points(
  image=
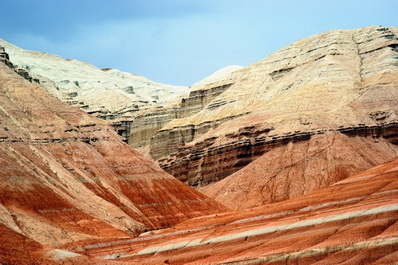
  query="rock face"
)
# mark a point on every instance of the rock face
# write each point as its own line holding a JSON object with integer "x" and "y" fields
{"x": 108, "y": 93}
{"x": 353, "y": 221}
{"x": 67, "y": 177}
{"x": 147, "y": 123}
{"x": 336, "y": 86}
{"x": 293, "y": 168}
{"x": 4, "y": 57}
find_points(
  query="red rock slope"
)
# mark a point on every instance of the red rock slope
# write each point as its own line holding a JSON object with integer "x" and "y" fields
{"x": 66, "y": 177}
{"x": 295, "y": 168}
{"x": 353, "y": 221}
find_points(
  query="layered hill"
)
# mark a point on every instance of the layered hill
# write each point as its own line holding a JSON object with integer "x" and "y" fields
{"x": 290, "y": 131}
{"x": 311, "y": 113}
{"x": 149, "y": 121}
{"x": 67, "y": 177}
{"x": 353, "y": 221}
{"x": 105, "y": 93}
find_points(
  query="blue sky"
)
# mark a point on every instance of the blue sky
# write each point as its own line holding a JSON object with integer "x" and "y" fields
{"x": 179, "y": 41}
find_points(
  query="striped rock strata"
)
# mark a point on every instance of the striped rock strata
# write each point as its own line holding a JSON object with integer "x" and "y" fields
{"x": 353, "y": 221}
{"x": 67, "y": 177}
{"x": 149, "y": 121}
{"x": 288, "y": 110}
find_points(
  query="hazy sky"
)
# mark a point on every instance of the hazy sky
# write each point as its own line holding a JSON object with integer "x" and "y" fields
{"x": 179, "y": 41}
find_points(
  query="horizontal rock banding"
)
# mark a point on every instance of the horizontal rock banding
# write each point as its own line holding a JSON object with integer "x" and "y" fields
{"x": 247, "y": 145}
{"x": 149, "y": 122}
{"x": 287, "y": 132}
{"x": 352, "y": 220}
{"x": 340, "y": 84}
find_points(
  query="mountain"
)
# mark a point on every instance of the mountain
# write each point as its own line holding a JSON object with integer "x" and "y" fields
{"x": 67, "y": 178}
{"x": 106, "y": 93}
{"x": 220, "y": 75}
{"x": 308, "y": 115}
{"x": 297, "y": 154}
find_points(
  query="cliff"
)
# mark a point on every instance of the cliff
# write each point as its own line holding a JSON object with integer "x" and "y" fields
{"x": 148, "y": 122}
{"x": 296, "y": 167}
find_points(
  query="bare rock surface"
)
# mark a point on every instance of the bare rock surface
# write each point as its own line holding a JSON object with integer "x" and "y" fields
{"x": 67, "y": 177}
{"x": 291, "y": 132}
{"x": 297, "y": 168}
{"x": 353, "y": 221}
{"x": 106, "y": 93}
{"x": 343, "y": 82}
{"x": 224, "y": 74}
{"x": 149, "y": 121}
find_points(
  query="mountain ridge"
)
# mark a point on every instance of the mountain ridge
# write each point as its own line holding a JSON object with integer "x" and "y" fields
{"x": 108, "y": 94}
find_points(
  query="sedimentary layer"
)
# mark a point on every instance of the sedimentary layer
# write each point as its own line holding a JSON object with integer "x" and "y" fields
{"x": 295, "y": 167}
{"x": 343, "y": 82}
{"x": 353, "y": 221}
{"x": 148, "y": 122}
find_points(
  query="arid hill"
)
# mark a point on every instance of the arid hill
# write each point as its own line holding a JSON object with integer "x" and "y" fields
{"x": 67, "y": 177}
{"x": 105, "y": 93}
{"x": 310, "y": 114}
{"x": 297, "y": 154}
{"x": 353, "y": 221}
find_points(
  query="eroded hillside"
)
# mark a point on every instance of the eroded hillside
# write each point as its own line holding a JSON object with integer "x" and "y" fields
{"x": 105, "y": 93}
{"x": 67, "y": 177}
{"x": 353, "y": 221}
{"x": 302, "y": 146}
{"x": 324, "y": 106}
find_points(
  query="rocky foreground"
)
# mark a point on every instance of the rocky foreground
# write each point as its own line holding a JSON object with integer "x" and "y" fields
{"x": 353, "y": 221}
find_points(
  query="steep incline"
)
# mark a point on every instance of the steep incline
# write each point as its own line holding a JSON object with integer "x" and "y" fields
{"x": 67, "y": 176}
{"x": 354, "y": 221}
{"x": 328, "y": 86}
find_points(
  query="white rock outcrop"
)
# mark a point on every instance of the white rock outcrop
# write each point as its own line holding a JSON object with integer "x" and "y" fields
{"x": 109, "y": 92}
